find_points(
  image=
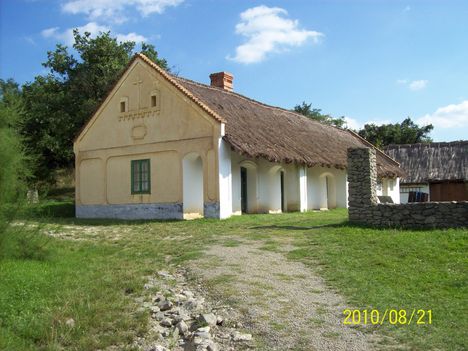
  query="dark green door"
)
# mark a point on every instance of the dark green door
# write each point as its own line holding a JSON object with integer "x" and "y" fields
{"x": 243, "y": 189}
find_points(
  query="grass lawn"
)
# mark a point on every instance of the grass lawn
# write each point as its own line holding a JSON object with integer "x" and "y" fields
{"x": 95, "y": 276}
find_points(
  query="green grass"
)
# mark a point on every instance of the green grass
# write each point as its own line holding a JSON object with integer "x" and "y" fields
{"x": 95, "y": 280}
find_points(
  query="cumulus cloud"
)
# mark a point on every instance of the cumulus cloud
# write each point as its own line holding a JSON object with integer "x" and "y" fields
{"x": 116, "y": 10}
{"x": 268, "y": 30}
{"x": 93, "y": 28}
{"x": 451, "y": 116}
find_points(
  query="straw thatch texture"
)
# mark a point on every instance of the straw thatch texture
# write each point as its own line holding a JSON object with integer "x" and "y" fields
{"x": 260, "y": 131}
{"x": 431, "y": 162}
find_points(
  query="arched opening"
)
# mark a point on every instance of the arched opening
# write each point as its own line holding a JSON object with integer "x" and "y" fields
{"x": 327, "y": 191}
{"x": 248, "y": 187}
{"x": 192, "y": 169}
{"x": 277, "y": 198}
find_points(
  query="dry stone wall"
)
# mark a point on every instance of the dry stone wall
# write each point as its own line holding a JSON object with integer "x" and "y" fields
{"x": 365, "y": 209}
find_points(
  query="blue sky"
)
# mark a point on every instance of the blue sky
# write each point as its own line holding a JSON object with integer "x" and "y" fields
{"x": 377, "y": 61}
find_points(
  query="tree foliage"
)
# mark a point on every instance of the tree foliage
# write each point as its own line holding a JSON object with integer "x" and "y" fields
{"x": 406, "y": 132}
{"x": 13, "y": 171}
{"x": 316, "y": 114}
{"x": 58, "y": 104}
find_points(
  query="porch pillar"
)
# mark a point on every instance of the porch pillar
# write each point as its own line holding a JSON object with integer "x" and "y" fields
{"x": 303, "y": 188}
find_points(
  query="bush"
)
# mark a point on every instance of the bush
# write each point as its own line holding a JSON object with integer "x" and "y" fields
{"x": 24, "y": 242}
{"x": 21, "y": 242}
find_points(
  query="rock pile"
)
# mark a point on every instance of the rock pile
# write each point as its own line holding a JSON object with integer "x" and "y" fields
{"x": 181, "y": 319}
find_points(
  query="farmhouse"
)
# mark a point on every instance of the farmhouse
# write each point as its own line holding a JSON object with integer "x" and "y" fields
{"x": 434, "y": 171}
{"x": 160, "y": 146}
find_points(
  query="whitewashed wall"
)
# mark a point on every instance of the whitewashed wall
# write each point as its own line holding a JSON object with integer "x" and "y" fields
{"x": 390, "y": 187}
{"x": 317, "y": 192}
{"x": 264, "y": 185}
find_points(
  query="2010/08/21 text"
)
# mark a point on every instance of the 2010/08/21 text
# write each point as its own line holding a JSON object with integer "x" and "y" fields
{"x": 392, "y": 316}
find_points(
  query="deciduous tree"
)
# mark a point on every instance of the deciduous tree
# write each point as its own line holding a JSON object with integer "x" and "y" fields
{"x": 316, "y": 114}
{"x": 58, "y": 104}
{"x": 406, "y": 132}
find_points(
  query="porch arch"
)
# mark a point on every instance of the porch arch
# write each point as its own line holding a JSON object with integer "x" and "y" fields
{"x": 193, "y": 193}
{"x": 327, "y": 194}
{"x": 249, "y": 186}
{"x": 276, "y": 189}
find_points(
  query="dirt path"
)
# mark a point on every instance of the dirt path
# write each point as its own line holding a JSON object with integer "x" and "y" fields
{"x": 285, "y": 303}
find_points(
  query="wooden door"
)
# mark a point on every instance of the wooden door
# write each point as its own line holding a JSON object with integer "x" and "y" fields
{"x": 244, "y": 190}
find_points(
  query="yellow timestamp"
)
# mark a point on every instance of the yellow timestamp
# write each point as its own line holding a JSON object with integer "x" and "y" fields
{"x": 391, "y": 316}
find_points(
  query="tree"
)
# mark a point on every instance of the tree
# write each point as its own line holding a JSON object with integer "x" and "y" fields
{"x": 406, "y": 132}
{"x": 316, "y": 114}
{"x": 58, "y": 104}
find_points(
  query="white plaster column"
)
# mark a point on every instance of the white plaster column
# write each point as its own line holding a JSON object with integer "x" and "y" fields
{"x": 225, "y": 177}
{"x": 396, "y": 190}
{"x": 303, "y": 188}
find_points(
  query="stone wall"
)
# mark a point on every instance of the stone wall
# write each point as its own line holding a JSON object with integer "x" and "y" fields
{"x": 365, "y": 209}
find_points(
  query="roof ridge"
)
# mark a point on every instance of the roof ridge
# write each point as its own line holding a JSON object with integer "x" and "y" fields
{"x": 190, "y": 81}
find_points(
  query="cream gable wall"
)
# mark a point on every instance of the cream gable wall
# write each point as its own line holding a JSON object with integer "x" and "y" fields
{"x": 174, "y": 119}
{"x": 165, "y": 134}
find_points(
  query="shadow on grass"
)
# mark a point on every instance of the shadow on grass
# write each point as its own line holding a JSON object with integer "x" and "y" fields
{"x": 346, "y": 224}
{"x": 292, "y": 227}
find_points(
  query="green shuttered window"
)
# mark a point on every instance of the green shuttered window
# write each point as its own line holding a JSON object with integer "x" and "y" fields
{"x": 141, "y": 177}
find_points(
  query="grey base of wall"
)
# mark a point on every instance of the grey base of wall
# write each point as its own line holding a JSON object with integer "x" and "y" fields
{"x": 131, "y": 211}
{"x": 211, "y": 210}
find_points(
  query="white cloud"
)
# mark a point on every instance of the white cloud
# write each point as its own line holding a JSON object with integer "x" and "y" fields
{"x": 49, "y": 32}
{"x": 137, "y": 38}
{"x": 93, "y": 28}
{"x": 378, "y": 122}
{"x": 407, "y": 9}
{"x": 352, "y": 123}
{"x": 451, "y": 116}
{"x": 418, "y": 84}
{"x": 413, "y": 85}
{"x": 116, "y": 10}
{"x": 267, "y": 30}
{"x": 67, "y": 36}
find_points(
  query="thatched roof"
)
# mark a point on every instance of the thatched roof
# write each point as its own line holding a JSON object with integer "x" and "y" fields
{"x": 257, "y": 130}
{"x": 431, "y": 162}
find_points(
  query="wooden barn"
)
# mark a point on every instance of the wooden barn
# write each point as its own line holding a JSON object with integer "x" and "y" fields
{"x": 435, "y": 171}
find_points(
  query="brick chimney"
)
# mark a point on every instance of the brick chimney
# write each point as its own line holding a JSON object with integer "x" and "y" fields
{"x": 222, "y": 80}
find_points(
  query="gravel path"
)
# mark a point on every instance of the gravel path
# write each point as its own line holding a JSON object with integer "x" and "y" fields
{"x": 287, "y": 305}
